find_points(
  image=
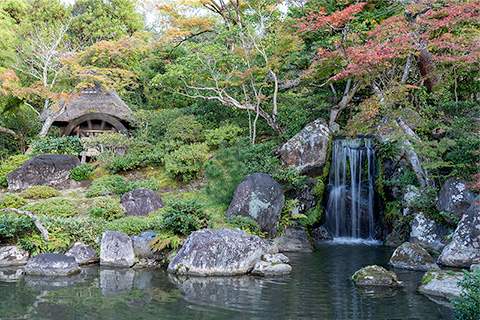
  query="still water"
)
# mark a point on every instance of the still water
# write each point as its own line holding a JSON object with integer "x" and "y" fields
{"x": 319, "y": 288}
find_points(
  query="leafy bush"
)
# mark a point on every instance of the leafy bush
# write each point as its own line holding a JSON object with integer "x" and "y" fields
{"x": 223, "y": 135}
{"x": 108, "y": 185}
{"x": 13, "y": 225}
{"x": 62, "y": 145}
{"x": 243, "y": 223}
{"x": 39, "y": 192}
{"x": 468, "y": 305}
{"x": 152, "y": 124}
{"x": 12, "y": 201}
{"x": 82, "y": 172}
{"x": 164, "y": 240}
{"x": 130, "y": 225}
{"x": 108, "y": 208}
{"x": 59, "y": 242}
{"x": 183, "y": 217}
{"x": 56, "y": 207}
{"x": 10, "y": 164}
{"x": 185, "y": 129}
{"x": 388, "y": 149}
{"x": 187, "y": 161}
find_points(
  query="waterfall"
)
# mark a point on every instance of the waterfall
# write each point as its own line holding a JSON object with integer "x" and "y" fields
{"x": 351, "y": 201}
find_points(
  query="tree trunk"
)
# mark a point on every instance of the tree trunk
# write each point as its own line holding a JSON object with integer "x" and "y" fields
{"x": 347, "y": 97}
{"x": 9, "y": 131}
{"x": 425, "y": 64}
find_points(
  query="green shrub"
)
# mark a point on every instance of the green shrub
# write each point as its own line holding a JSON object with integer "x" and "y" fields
{"x": 187, "y": 161}
{"x": 108, "y": 185}
{"x": 13, "y": 225}
{"x": 388, "y": 149}
{"x": 185, "y": 129}
{"x": 39, "y": 192}
{"x": 82, "y": 172}
{"x": 108, "y": 208}
{"x": 12, "y": 201}
{"x": 223, "y": 135}
{"x": 243, "y": 223}
{"x": 183, "y": 217}
{"x": 468, "y": 305}
{"x": 10, "y": 164}
{"x": 63, "y": 145}
{"x": 130, "y": 225}
{"x": 56, "y": 207}
{"x": 164, "y": 240}
{"x": 152, "y": 124}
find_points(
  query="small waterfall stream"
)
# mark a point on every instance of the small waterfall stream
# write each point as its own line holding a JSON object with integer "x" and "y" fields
{"x": 351, "y": 201}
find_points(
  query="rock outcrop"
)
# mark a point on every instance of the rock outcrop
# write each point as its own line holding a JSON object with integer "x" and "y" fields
{"x": 375, "y": 276}
{"x": 13, "y": 256}
{"x": 141, "y": 201}
{"x": 306, "y": 152}
{"x": 116, "y": 249}
{"x": 51, "y": 264}
{"x": 427, "y": 233}
{"x": 294, "y": 239}
{"x": 454, "y": 198}
{"x": 413, "y": 257}
{"x": 44, "y": 169}
{"x": 260, "y": 198}
{"x": 215, "y": 252}
{"x": 321, "y": 233}
{"x": 83, "y": 254}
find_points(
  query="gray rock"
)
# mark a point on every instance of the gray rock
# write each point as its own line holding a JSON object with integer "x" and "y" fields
{"x": 294, "y": 239}
{"x": 260, "y": 198}
{"x": 11, "y": 274}
{"x": 455, "y": 198}
{"x": 141, "y": 201}
{"x": 475, "y": 268}
{"x": 321, "y": 233}
{"x": 116, "y": 249}
{"x": 115, "y": 282}
{"x": 410, "y": 195}
{"x": 306, "y": 152}
{"x": 211, "y": 252}
{"x": 83, "y": 254}
{"x": 428, "y": 233}
{"x": 44, "y": 169}
{"x": 276, "y": 258}
{"x": 51, "y": 264}
{"x": 441, "y": 283}
{"x": 464, "y": 250}
{"x": 140, "y": 245}
{"x": 263, "y": 268}
{"x": 413, "y": 257}
{"x": 375, "y": 276}
{"x": 13, "y": 256}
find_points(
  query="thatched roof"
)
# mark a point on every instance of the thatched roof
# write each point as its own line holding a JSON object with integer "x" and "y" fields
{"x": 98, "y": 100}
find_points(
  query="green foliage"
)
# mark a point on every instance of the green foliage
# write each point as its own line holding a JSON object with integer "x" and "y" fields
{"x": 151, "y": 125}
{"x": 39, "y": 192}
{"x": 130, "y": 225}
{"x": 82, "y": 172}
{"x": 13, "y": 225}
{"x": 164, "y": 240}
{"x": 12, "y": 201}
{"x": 406, "y": 177}
{"x": 108, "y": 208}
{"x": 108, "y": 185}
{"x": 388, "y": 149}
{"x": 59, "y": 242}
{"x": 186, "y": 129}
{"x": 224, "y": 135}
{"x": 10, "y": 164}
{"x": 187, "y": 161}
{"x": 468, "y": 305}
{"x": 246, "y": 224}
{"x": 62, "y": 145}
{"x": 311, "y": 217}
{"x": 290, "y": 215}
{"x": 56, "y": 207}
{"x": 183, "y": 216}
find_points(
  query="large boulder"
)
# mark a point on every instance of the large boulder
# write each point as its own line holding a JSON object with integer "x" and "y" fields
{"x": 260, "y": 198}
{"x": 464, "y": 250}
{"x": 375, "y": 276}
{"x": 12, "y": 256}
{"x": 441, "y": 283}
{"x": 44, "y": 169}
{"x": 116, "y": 249}
{"x": 454, "y": 198}
{"x": 413, "y": 257}
{"x": 215, "y": 252}
{"x": 428, "y": 233}
{"x": 141, "y": 201}
{"x": 306, "y": 152}
{"x": 52, "y": 264}
{"x": 83, "y": 254}
{"x": 294, "y": 239}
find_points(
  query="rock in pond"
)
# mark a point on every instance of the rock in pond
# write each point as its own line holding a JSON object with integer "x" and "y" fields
{"x": 116, "y": 249}
{"x": 413, "y": 257}
{"x": 454, "y": 198}
{"x": 306, "y": 152}
{"x": 83, "y": 254}
{"x": 51, "y": 264}
{"x": 260, "y": 198}
{"x": 272, "y": 265}
{"x": 140, "y": 244}
{"x": 375, "y": 276}
{"x": 294, "y": 239}
{"x": 464, "y": 250}
{"x": 13, "y": 256}
{"x": 215, "y": 252}
{"x": 141, "y": 201}
{"x": 44, "y": 169}
{"x": 321, "y": 233}
{"x": 441, "y": 283}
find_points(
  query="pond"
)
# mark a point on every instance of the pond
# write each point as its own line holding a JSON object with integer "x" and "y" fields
{"x": 319, "y": 288}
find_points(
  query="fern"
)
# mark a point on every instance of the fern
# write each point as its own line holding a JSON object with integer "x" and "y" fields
{"x": 164, "y": 240}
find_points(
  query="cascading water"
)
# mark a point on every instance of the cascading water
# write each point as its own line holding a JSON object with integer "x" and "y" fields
{"x": 351, "y": 201}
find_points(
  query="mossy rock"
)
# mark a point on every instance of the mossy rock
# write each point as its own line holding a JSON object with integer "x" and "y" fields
{"x": 413, "y": 257}
{"x": 375, "y": 276}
